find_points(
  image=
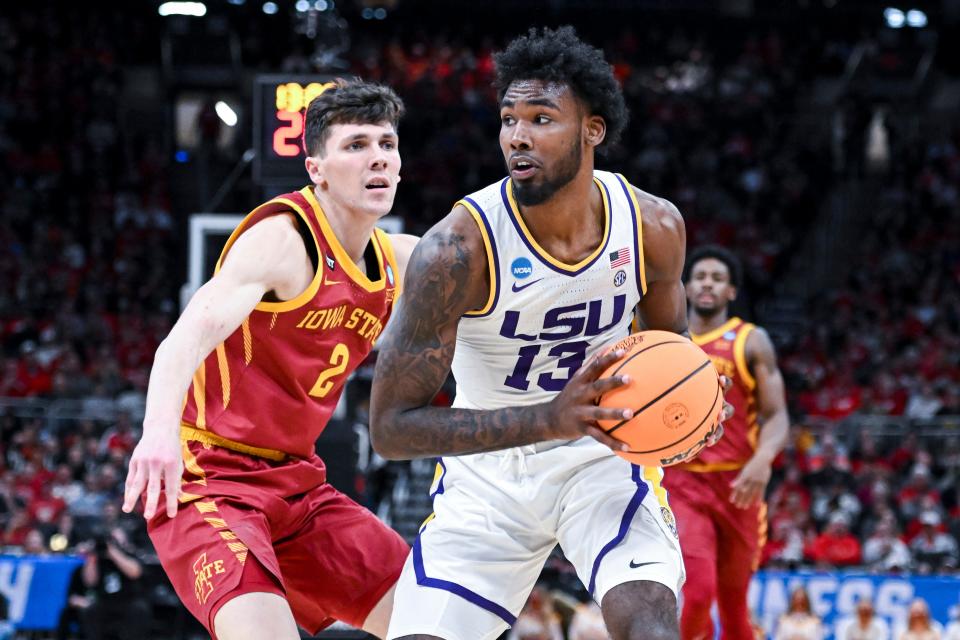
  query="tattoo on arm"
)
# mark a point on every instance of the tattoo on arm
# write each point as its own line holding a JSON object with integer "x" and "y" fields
{"x": 443, "y": 281}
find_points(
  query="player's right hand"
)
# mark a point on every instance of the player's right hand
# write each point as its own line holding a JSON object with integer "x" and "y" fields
{"x": 157, "y": 460}
{"x": 574, "y": 413}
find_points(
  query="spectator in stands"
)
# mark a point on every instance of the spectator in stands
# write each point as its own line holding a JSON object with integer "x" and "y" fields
{"x": 34, "y": 544}
{"x": 919, "y": 624}
{"x": 106, "y": 594}
{"x": 836, "y": 546}
{"x": 933, "y": 551}
{"x": 18, "y": 526}
{"x": 924, "y": 402}
{"x": 537, "y": 620}
{"x": 864, "y": 625}
{"x": 917, "y": 488}
{"x": 799, "y": 622}
{"x": 952, "y": 631}
{"x": 587, "y": 623}
{"x": 884, "y": 550}
{"x": 837, "y": 498}
{"x": 784, "y": 549}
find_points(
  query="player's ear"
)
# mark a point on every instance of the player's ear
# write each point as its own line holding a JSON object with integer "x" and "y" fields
{"x": 314, "y": 166}
{"x": 732, "y": 293}
{"x": 594, "y": 130}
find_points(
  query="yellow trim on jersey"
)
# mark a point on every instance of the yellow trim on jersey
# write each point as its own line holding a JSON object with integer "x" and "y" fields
{"x": 761, "y": 534}
{"x": 515, "y": 212}
{"x": 224, "y": 367}
{"x": 339, "y": 253}
{"x": 710, "y": 336}
{"x": 386, "y": 245}
{"x": 192, "y": 434}
{"x": 247, "y": 340}
{"x": 653, "y": 475}
{"x": 636, "y": 208}
{"x": 200, "y": 394}
{"x": 740, "y": 355}
{"x": 437, "y": 476}
{"x": 709, "y": 467}
{"x": 427, "y": 521}
{"x": 491, "y": 263}
{"x": 312, "y": 288}
{"x": 190, "y": 464}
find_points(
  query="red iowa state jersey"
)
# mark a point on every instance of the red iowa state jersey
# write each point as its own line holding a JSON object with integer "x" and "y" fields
{"x": 726, "y": 346}
{"x": 273, "y": 384}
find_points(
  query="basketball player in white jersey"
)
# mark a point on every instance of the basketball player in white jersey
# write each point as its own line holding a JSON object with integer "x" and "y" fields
{"x": 521, "y": 288}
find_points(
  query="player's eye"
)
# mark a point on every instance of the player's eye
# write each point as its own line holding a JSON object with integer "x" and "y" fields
{"x": 354, "y": 146}
{"x": 507, "y": 120}
{"x": 542, "y": 119}
{"x": 389, "y": 146}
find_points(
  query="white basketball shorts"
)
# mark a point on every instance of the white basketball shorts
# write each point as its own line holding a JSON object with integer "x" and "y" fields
{"x": 498, "y": 515}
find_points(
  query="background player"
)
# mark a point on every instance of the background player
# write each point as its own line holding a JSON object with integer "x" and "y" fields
{"x": 718, "y": 497}
{"x": 303, "y": 288}
{"x": 516, "y": 288}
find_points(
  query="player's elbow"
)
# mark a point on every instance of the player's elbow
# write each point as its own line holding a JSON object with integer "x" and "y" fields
{"x": 383, "y": 437}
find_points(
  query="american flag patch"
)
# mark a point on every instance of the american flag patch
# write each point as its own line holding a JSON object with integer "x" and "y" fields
{"x": 619, "y": 257}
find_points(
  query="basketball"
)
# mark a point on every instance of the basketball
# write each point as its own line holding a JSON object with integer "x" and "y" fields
{"x": 675, "y": 394}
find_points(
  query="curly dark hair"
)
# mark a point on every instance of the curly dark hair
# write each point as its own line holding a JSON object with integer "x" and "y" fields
{"x": 717, "y": 253}
{"x": 559, "y": 55}
{"x": 349, "y": 102}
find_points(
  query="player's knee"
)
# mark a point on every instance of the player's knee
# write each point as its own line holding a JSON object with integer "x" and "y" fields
{"x": 641, "y": 610}
{"x": 651, "y": 630}
{"x": 698, "y": 597}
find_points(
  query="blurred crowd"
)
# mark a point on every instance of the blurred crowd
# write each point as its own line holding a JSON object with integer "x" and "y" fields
{"x": 887, "y": 342}
{"x": 90, "y": 265}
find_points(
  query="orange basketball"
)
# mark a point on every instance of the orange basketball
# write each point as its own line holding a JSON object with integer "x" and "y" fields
{"x": 675, "y": 395}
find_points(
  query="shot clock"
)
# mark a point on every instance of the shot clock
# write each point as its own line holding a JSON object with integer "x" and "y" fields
{"x": 279, "y": 110}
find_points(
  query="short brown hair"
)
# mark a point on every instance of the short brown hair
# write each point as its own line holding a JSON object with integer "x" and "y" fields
{"x": 349, "y": 102}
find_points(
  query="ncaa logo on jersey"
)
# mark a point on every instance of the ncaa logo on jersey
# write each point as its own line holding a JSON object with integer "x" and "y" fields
{"x": 390, "y": 275}
{"x": 521, "y": 268}
{"x": 730, "y": 335}
{"x": 620, "y": 278}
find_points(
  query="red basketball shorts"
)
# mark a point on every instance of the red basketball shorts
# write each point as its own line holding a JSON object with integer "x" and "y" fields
{"x": 248, "y": 524}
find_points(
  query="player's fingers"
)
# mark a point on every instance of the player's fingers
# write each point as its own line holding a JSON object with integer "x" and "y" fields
{"x": 600, "y": 364}
{"x": 717, "y": 434}
{"x": 609, "y": 441}
{"x": 171, "y": 487}
{"x": 727, "y": 413}
{"x": 601, "y": 386}
{"x": 153, "y": 492}
{"x": 133, "y": 486}
{"x": 595, "y": 414}
{"x": 726, "y": 383}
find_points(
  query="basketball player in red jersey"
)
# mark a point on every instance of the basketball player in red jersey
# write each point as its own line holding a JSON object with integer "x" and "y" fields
{"x": 252, "y": 538}
{"x": 718, "y": 497}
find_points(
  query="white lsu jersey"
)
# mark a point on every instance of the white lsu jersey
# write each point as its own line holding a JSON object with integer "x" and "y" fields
{"x": 498, "y": 515}
{"x": 544, "y": 318}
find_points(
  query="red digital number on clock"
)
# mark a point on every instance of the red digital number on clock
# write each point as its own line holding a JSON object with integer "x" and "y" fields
{"x": 286, "y": 138}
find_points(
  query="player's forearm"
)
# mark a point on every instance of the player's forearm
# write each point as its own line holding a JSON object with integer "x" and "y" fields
{"x": 128, "y": 565}
{"x": 441, "y": 431}
{"x": 176, "y": 360}
{"x": 773, "y": 436}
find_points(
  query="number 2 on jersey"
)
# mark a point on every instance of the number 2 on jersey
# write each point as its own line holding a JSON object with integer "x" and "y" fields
{"x": 338, "y": 364}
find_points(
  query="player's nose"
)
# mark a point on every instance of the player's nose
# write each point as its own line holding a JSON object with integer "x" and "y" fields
{"x": 520, "y": 138}
{"x": 379, "y": 160}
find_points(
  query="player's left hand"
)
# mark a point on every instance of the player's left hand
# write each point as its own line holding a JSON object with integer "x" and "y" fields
{"x": 748, "y": 487}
